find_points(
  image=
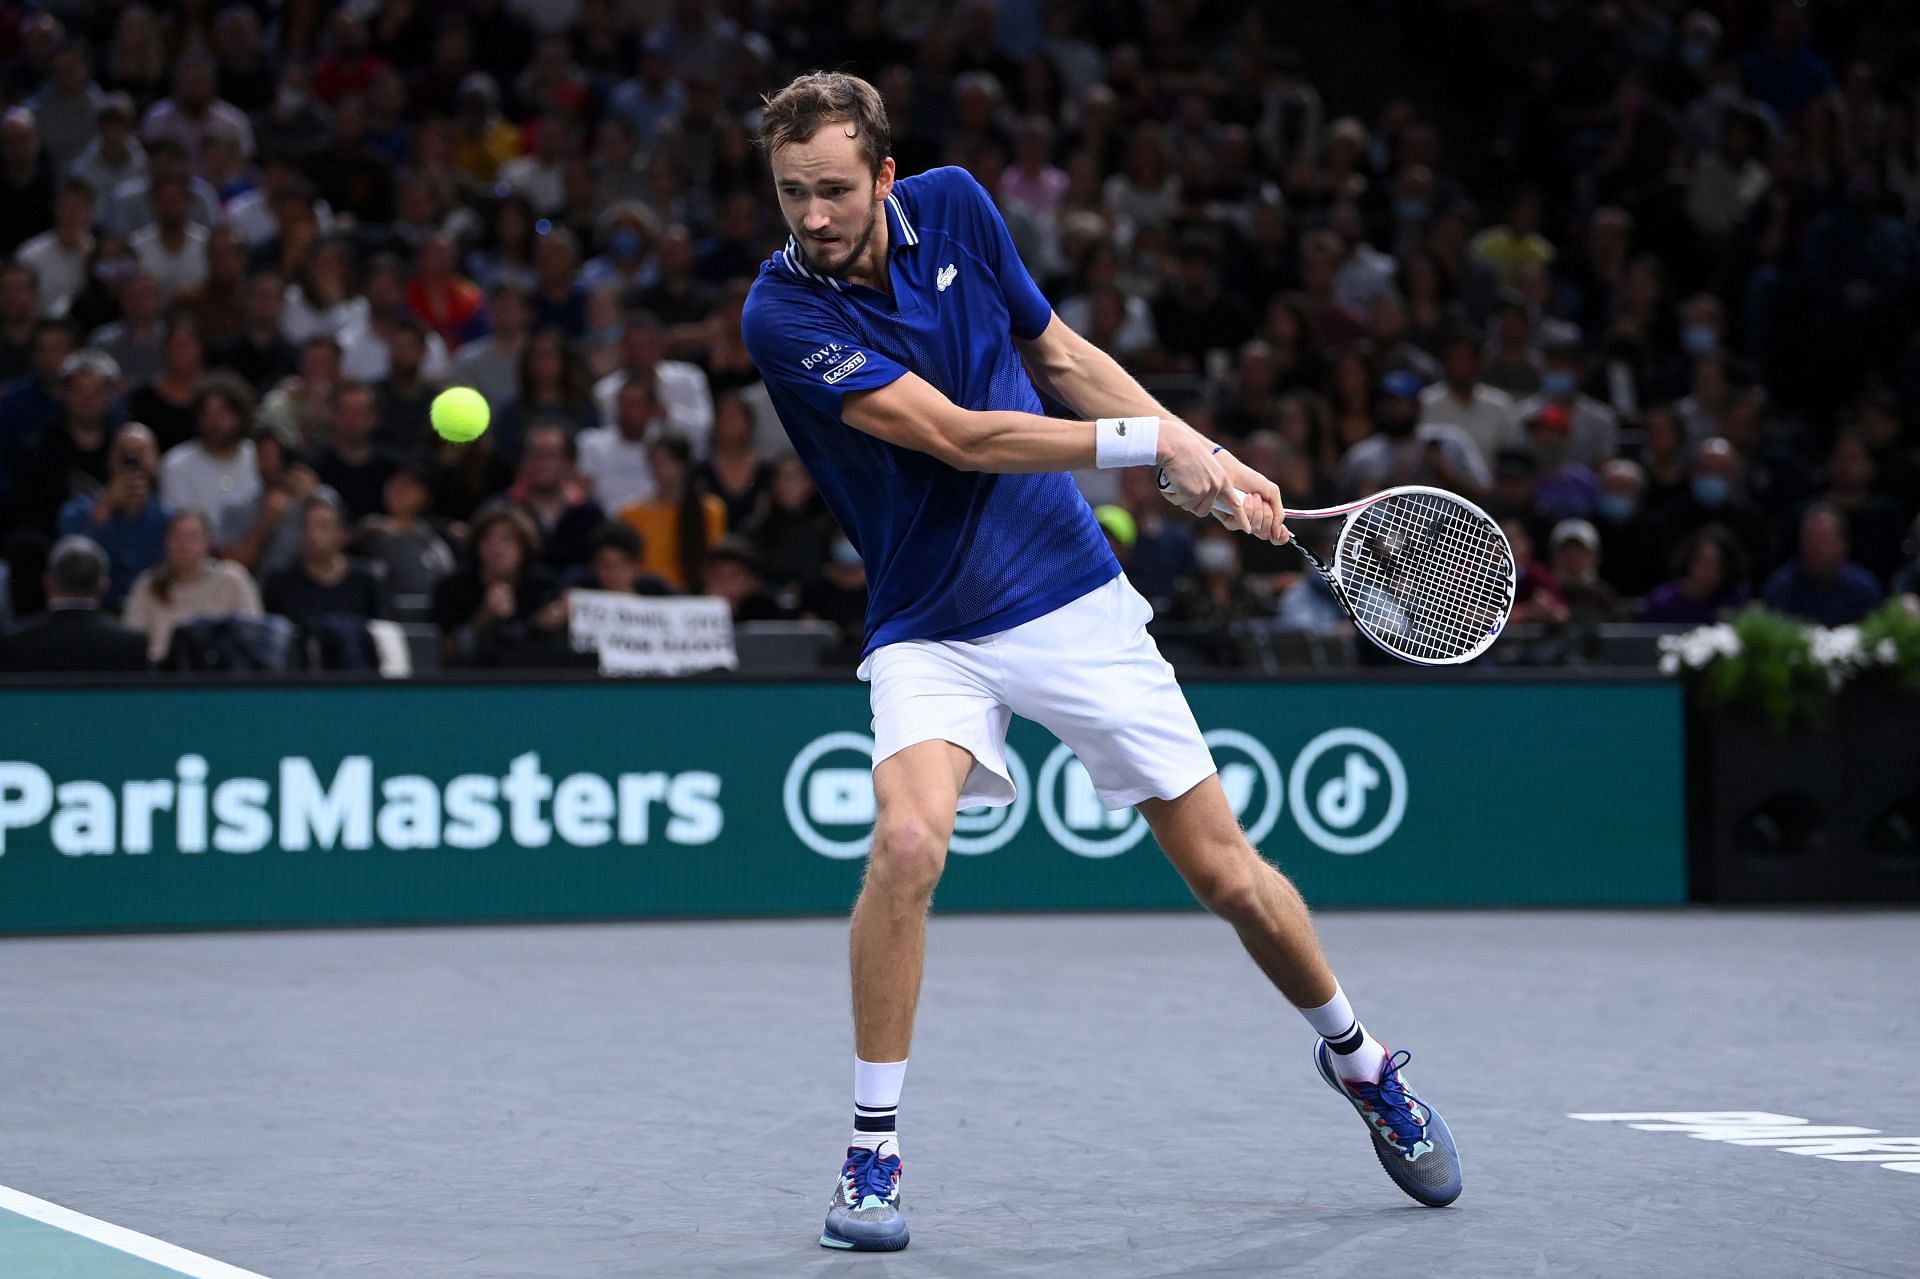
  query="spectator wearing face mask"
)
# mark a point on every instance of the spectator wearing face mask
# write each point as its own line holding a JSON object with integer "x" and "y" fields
{"x": 1822, "y": 584}
{"x": 1631, "y": 553}
{"x": 1405, "y": 450}
{"x": 1217, "y": 596}
{"x": 126, "y": 520}
{"x": 625, "y": 264}
{"x": 1715, "y": 496}
{"x": 1594, "y": 434}
{"x": 1703, "y": 336}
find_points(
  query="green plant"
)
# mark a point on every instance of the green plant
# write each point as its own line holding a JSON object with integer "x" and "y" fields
{"x": 1782, "y": 669}
{"x": 1774, "y": 674}
{"x": 1890, "y": 641}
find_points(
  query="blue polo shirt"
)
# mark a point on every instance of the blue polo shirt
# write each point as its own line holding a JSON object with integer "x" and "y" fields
{"x": 949, "y": 554}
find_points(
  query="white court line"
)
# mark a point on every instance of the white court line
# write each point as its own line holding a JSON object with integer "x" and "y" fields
{"x": 131, "y": 1242}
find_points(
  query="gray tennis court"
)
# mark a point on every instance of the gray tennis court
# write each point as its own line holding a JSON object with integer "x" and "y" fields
{"x": 1110, "y": 1095}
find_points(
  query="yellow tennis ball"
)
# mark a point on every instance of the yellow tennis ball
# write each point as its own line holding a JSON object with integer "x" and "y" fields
{"x": 459, "y": 414}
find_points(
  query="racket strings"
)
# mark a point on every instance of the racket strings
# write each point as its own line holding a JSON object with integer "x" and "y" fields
{"x": 1428, "y": 576}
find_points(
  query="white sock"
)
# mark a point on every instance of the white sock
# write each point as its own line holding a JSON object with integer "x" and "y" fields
{"x": 1357, "y": 1056}
{"x": 876, "y": 1103}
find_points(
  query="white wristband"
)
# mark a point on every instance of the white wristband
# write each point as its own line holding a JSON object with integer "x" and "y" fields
{"x": 1126, "y": 441}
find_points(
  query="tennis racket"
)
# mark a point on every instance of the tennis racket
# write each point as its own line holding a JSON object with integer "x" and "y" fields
{"x": 1423, "y": 573}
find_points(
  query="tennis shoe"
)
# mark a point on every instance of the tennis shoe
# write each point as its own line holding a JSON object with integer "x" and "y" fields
{"x": 1409, "y": 1136}
{"x": 865, "y": 1213}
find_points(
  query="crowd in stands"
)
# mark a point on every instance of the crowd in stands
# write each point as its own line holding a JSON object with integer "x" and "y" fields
{"x": 1644, "y": 282}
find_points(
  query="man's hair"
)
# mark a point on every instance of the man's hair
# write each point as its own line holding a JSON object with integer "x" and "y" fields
{"x": 232, "y": 389}
{"x": 820, "y": 98}
{"x": 616, "y": 536}
{"x": 76, "y": 566}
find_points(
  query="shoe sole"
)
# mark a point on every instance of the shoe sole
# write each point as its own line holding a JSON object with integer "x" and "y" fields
{"x": 830, "y": 1240}
{"x": 1443, "y": 1135}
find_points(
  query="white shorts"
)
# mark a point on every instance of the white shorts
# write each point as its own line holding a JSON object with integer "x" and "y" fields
{"x": 1087, "y": 672}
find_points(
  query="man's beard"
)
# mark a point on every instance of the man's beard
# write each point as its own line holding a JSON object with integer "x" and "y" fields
{"x": 838, "y": 269}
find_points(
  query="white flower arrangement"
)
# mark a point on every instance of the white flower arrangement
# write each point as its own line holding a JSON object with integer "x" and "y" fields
{"x": 1698, "y": 648}
{"x": 1838, "y": 651}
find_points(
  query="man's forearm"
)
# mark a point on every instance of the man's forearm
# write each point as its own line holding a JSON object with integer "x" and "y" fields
{"x": 1022, "y": 443}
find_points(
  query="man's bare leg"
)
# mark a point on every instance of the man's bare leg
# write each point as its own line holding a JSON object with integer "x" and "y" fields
{"x": 1203, "y": 840}
{"x": 914, "y": 792}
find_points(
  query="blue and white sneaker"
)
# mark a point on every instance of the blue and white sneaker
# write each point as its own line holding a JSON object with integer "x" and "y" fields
{"x": 865, "y": 1213}
{"x": 1409, "y": 1136}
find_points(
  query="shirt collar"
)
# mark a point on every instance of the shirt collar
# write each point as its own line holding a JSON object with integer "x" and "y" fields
{"x": 901, "y": 235}
{"x": 796, "y": 264}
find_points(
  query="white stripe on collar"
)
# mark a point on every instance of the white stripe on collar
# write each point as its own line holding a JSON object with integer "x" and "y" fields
{"x": 796, "y": 262}
{"x": 908, "y": 236}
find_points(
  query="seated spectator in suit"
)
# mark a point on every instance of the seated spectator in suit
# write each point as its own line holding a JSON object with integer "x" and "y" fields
{"x": 74, "y": 634}
{"x": 127, "y": 520}
{"x": 1823, "y": 585}
{"x": 323, "y": 582}
{"x": 188, "y": 584}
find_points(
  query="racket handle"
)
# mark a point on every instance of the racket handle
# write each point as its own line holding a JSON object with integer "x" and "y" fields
{"x": 1220, "y": 504}
{"x": 1225, "y": 507}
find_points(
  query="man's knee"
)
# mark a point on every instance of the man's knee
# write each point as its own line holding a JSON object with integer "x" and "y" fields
{"x": 1232, "y": 884}
{"x": 909, "y": 853}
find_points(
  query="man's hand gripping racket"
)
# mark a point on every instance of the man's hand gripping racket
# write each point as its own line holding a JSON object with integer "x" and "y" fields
{"x": 1423, "y": 573}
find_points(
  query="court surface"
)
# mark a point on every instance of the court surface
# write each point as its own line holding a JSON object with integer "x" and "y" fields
{"x": 1089, "y": 1096}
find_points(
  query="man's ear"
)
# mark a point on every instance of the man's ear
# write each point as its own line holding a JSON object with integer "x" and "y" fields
{"x": 883, "y": 184}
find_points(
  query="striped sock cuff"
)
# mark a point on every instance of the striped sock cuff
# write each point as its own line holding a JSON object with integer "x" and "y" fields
{"x": 875, "y": 1118}
{"x": 1348, "y": 1040}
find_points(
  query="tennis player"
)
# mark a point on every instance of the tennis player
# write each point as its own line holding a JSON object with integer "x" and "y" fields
{"x": 900, "y": 337}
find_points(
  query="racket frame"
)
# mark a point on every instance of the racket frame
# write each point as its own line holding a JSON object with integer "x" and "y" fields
{"x": 1330, "y": 574}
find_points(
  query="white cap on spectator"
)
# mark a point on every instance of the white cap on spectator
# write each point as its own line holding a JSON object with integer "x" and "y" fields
{"x": 1581, "y": 531}
{"x": 91, "y": 359}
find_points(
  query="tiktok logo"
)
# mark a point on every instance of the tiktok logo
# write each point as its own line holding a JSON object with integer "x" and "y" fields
{"x": 1348, "y": 790}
